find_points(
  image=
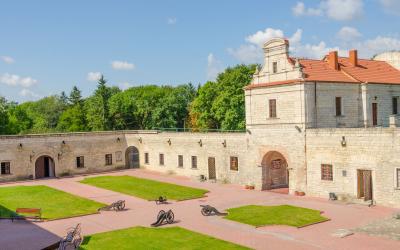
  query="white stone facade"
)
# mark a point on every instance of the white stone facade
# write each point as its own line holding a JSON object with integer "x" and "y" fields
{"x": 304, "y": 133}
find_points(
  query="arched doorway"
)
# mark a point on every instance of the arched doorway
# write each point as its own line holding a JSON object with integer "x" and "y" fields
{"x": 132, "y": 157}
{"x": 274, "y": 171}
{"x": 44, "y": 167}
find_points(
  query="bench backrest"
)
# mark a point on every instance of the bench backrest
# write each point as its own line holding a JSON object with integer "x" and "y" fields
{"x": 28, "y": 210}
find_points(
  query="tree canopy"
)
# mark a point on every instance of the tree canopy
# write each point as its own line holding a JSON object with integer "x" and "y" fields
{"x": 217, "y": 104}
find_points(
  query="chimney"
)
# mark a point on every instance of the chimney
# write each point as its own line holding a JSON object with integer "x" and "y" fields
{"x": 353, "y": 57}
{"x": 333, "y": 60}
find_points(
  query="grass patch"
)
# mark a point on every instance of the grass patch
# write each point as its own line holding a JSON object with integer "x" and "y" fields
{"x": 154, "y": 238}
{"x": 275, "y": 215}
{"x": 144, "y": 188}
{"x": 55, "y": 204}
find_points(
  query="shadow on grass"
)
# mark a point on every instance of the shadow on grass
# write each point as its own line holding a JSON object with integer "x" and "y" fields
{"x": 6, "y": 213}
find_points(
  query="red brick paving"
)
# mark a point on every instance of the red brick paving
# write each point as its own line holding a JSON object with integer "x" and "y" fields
{"x": 23, "y": 235}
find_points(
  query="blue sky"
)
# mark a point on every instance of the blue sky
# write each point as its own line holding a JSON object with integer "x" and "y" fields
{"x": 49, "y": 46}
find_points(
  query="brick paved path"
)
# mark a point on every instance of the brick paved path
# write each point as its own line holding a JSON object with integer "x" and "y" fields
{"x": 22, "y": 235}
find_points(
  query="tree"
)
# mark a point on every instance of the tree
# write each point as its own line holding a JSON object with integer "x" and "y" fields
{"x": 75, "y": 97}
{"x": 98, "y": 106}
{"x": 3, "y": 116}
{"x": 220, "y": 104}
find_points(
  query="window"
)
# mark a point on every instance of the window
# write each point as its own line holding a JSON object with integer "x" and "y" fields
{"x": 326, "y": 172}
{"x": 80, "y": 162}
{"x": 161, "y": 159}
{"x": 118, "y": 156}
{"x": 338, "y": 103}
{"x": 5, "y": 168}
{"x": 180, "y": 161}
{"x": 146, "y": 158}
{"x": 108, "y": 159}
{"x": 394, "y": 105}
{"x": 397, "y": 177}
{"x": 194, "y": 161}
{"x": 275, "y": 67}
{"x": 234, "y": 163}
{"x": 272, "y": 108}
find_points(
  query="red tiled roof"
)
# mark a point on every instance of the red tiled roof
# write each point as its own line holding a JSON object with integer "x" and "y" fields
{"x": 369, "y": 71}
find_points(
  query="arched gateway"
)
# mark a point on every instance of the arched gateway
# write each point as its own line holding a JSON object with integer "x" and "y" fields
{"x": 274, "y": 171}
{"x": 44, "y": 167}
{"x": 132, "y": 157}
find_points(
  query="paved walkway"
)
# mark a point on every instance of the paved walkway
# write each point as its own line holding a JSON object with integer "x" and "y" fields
{"x": 22, "y": 235}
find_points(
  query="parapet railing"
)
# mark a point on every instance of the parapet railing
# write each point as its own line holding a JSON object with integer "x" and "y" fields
{"x": 199, "y": 130}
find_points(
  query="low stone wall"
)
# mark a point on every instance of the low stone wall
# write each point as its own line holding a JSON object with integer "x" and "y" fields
{"x": 375, "y": 149}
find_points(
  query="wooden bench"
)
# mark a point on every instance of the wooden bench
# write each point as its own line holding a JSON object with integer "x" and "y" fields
{"x": 27, "y": 213}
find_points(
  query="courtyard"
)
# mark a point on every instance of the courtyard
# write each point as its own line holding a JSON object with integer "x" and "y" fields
{"x": 246, "y": 226}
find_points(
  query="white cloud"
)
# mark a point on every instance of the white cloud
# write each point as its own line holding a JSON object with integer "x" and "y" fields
{"x": 93, "y": 76}
{"x": 251, "y": 52}
{"x": 16, "y": 80}
{"x": 370, "y": 47}
{"x": 341, "y": 10}
{"x": 122, "y": 65}
{"x": 28, "y": 93}
{"x": 300, "y": 10}
{"x": 261, "y": 36}
{"x": 171, "y": 20}
{"x": 391, "y": 6}
{"x": 125, "y": 85}
{"x": 214, "y": 67}
{"x": 7, "y": 59}
{"x": 348, "y": 34}
{"x": 247, "y": 53}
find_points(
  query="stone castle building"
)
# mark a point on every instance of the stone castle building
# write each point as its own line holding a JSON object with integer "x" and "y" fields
{"x": 315, "y": 126}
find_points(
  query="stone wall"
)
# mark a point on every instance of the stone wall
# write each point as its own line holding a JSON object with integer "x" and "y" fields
{"x": 375, "y": 149}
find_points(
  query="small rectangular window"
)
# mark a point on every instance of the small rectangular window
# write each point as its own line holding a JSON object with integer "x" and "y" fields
{"x": 272, "y": 108}
{"x": 146, "y": 158}
{"x": 338, "y": 103}
{"x": 108, "y": 159}
{"x": 234, "y": 163}
{"x": 180, "y": 161}
{"x": 194, "y": 161}
{"x": 275, "y": 67}
{"x": 398, "y": 177}
{"x": 394, "y": 105}
{"x": 5, "y": 168}
{"x": 326, "y": 172}
{"x": 118, "y": 156}
{"x": 80, "y": 162}
{"x": 161, "y": 159}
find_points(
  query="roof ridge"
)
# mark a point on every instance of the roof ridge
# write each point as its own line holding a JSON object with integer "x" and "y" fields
{"x": 348, "y": 74}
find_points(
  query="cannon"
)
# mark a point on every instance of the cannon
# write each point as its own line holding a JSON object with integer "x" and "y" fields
{"x": 161, "y": 200}
{"x": 117, "y": 206}
{"x": 208, "y": 210}
{"x": 163, "y": 217}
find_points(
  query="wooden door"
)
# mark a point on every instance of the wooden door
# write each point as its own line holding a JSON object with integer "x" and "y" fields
{"x": 374, "y": 114}
{"x": 364, "y": 184}
{"x": 212, "y": 175}
{"x": 279, "y": 176}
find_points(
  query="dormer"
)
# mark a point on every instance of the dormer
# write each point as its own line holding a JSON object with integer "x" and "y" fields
{"x": 278, "y": 66}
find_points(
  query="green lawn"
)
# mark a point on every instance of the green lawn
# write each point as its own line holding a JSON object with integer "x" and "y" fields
{"x": 275, "y": 215}
{"x": 55, "y": 204}
{"x": 144, "y": 188}
{"x": 154, "y": 238}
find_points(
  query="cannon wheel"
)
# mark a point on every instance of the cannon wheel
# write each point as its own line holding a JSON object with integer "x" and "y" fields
{"x": 205, "y": 211}
{"x": 121, "y": 206}
{"x": 161, "y": 213}
{"x": 170, "y": 217}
